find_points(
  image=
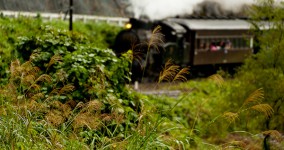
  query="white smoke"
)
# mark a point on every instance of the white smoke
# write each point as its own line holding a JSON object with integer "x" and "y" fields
{"x": 234, "y": 5}
{"x": 159, "y": 9}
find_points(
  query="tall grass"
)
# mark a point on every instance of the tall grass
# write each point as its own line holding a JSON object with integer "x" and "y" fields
{"x": 155, "y": 43}
{"x": 23, "y": 108}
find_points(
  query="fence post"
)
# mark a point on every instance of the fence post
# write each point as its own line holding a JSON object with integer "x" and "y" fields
{"x": 71, "y": 15}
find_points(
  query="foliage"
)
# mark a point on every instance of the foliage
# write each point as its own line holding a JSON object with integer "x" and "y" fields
{"x": 99, "y": 35}
{"x": 62, "y": 79}
{"x": 251, "y": 102}
{"x": 265, "y": 69}
{"x": 10, "y": 30}
{"x": 93, "y": 124}
{"x": 208, "y": 111}
{"x": 23, "y": 107}
{"x": 72, "y": 58}
{"x": 26, "y": 97}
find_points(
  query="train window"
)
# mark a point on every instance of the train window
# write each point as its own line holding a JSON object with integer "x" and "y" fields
{"x": 212, "y": 44}
{"x": 202, "y": 44}
{"x": 222, "y": 43}
{"x": 241, "y": 43}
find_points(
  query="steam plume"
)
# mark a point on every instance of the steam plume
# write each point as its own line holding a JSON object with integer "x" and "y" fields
{"x": 159, "y": 9}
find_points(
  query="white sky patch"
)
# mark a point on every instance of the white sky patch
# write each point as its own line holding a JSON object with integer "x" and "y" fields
{"x": 159, "y": 9}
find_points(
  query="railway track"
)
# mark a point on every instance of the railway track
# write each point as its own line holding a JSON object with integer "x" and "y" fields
{"x": 162, "y": 89}
{"x": 170, "y": 93}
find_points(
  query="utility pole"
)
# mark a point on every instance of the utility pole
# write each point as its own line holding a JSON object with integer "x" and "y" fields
{"x": 70, "y": 15}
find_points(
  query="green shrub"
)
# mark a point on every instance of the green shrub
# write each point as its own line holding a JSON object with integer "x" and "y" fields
{"x": 94, "y": 72}
{"x": 99, "y": 35}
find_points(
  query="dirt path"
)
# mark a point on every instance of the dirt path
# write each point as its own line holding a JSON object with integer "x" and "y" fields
{"x": 156, "y": 89}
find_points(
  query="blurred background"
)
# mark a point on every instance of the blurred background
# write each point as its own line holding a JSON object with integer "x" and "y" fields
{"x": 91, "y": 7}
{"x": 133, "y": 8}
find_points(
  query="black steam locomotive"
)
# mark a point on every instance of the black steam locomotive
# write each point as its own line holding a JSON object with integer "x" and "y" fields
{"x": 202, "y": 44}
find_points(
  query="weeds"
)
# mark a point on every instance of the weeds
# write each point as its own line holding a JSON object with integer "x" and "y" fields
{"x": 154, "y": 43}
{"x": 172, "y": 72}
{"x": 251, "y": 103}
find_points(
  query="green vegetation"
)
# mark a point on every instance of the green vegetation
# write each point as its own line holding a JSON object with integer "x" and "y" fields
{"x": 67, "y": 90}
{"x": 98, "y": 35}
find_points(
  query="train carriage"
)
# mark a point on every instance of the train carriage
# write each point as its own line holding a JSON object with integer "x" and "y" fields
{"x": 199, "y": 42}
{"x": 214, "y": 41}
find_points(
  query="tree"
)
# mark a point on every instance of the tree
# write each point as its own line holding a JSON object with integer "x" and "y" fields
{"x": 265, "y": 69}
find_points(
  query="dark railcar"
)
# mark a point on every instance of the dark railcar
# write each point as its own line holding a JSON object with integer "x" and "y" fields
{"x": 196, "y": 42}
{"x": 215, "y": 41}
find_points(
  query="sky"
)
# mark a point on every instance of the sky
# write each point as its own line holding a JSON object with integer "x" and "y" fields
{"x": 159, "y": 9}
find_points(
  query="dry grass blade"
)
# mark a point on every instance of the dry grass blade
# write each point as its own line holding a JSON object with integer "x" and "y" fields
{"x": 50, "y": 98}
{"x": 274, "y": 134}
{"x": 34, "y": 55}
{"x": 44, "y": 77}
{"x": 134, "y": 43}
{"x": 27, "y": 66}
{"x": 37, "y": 97}
{"x": 61, "y": 75}
{"x": 80, "y": 105}
{"x": 94, "y": 105}
{"x": 86, "y": 119}
{"x": 54, "y": 59}
{"x": 169, "y": 72}
{"x": 255, "y": 97}
{"x": 230, "y": 116}
{"x": 138, "y": 57}
{"x": 156, "y": 39}
{"x": 266, "y": 109}
{"x": 28, "y": 80}
{"x": 66, "y": 89}
{"x": 55, "y": 117}
{"x": 236, "y": 144}
{"x": 54, "y": 91}
{"x": 14, "y": 68}
{"x": 218, "y": 79}
{"x": 11, "y": 88}
{"x": 28, "y": 69}
{"x": 33, "y": 70}
{"x": 181, "y": 75}
{"x": 36, "y": 87}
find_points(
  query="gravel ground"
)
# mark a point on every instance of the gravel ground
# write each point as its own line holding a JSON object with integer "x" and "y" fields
{"x": 156, "y": 89}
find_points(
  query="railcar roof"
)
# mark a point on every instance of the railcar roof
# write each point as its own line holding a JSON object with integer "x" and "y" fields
{"x": 177, "y": 27}
{"x": 213, "y": 24}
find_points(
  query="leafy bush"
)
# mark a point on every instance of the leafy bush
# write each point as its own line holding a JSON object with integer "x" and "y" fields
{"x": 90, "y": 70}
{"x": 78, "y": 74}
{"x": 99, "y": 35}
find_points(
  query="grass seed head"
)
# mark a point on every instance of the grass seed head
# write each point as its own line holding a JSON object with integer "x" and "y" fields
{"x": 231, "y": 117}
{"x": 266, "y": 109}
{"x": 256, "y": 97}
